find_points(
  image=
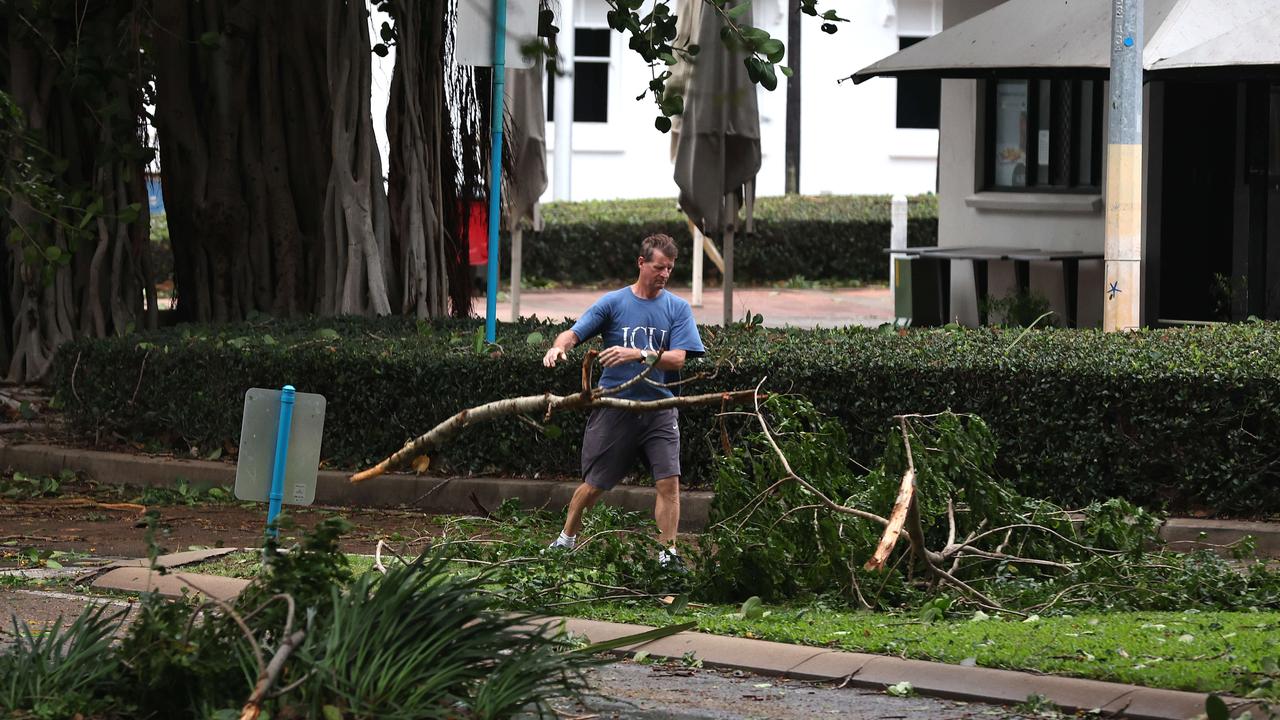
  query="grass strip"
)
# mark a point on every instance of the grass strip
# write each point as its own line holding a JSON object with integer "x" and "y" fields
{"x": 1199, "y": 651}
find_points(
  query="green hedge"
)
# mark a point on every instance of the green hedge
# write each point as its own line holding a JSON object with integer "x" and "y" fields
{"x": 1188, "y": 417}
{"x": 818, "y": 237}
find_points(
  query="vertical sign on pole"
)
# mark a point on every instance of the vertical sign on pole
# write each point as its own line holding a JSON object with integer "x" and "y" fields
{"x": 1122, "y": 266}
{"x": 279, "y": 458}
{"x": 484, "y": 24}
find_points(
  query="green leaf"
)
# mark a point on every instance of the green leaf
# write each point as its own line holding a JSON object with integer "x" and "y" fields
{"x": 534, "y": 338}
{"x": 752, "y": 608}
{"x": 772, "y": 49}
{"x": 552, "y": 431}
{"x": 331, "y": 713}
{"x": 211, "y": 39}
{"x": 643, "y": 637}
{"x": 902, "y": 689}
{"x": 768, "y": 79}
{"x": 53, "y": 564}
{"x": 130, "y": 213}
{"x": 786, "y": 70}
{"x": 52, "y": 253}
{"x": 1216, "y": 709}
{"x": 327, "y": 334}
{"x": 380, "y": 50}
{"x": 738, "y": 10}
{"x": 663, "y": 124}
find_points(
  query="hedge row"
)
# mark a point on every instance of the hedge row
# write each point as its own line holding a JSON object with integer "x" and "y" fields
{"x": 820, "y": 237}
{"x": 1185, "y": 417}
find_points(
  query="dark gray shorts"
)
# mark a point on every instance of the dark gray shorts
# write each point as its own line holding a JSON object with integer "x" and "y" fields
{"x": 614, "y": 438}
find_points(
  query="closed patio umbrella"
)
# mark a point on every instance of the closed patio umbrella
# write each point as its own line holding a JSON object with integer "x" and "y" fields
{"x": 527, "y": 133}
{"x": 717, "y": 148}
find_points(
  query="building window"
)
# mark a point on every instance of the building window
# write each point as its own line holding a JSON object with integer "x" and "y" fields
{"x": 590, "y": 77}
{"x": 918, "y": 97}
{"x": 1044, "y": 135}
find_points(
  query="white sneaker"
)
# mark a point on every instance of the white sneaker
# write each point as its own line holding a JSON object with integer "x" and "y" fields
{"x": 669, "y": 558}
{"x": 567, "y": 542}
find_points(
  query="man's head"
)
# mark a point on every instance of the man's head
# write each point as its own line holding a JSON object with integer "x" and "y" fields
{"x": 657, "y": 258}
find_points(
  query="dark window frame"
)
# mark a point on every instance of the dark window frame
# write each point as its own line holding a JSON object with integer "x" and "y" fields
{"x": 916, "y": 84}
{"x": 580, "y": 60}
{"x": 1057, "y": 85}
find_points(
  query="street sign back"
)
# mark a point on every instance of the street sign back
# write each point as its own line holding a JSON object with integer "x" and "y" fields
{"x": 474, "y": 44}
{"x": 258, "y": 446}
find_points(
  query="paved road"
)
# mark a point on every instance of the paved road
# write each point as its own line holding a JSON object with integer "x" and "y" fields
{"x": 640, "y": 692}
{"x": 631, "y": 690}
{"x": 835, "y": 307}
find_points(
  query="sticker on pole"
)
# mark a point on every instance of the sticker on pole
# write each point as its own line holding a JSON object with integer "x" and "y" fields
{"x": 474, "y": 44}
{"x": 258, "y": 446}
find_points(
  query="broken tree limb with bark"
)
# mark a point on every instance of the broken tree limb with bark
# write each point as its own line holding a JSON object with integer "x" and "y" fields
{"x": 548, "y": 404}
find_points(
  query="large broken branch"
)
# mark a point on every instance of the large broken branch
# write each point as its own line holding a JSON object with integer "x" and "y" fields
{"x": 546, "y": 404}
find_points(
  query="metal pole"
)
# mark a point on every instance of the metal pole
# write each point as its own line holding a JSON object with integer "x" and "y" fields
{"x": 495, "y": 165}
{"x": 282, "y": 451}
{"x": 730, "y": 219}
{"x": 1122, "y": 269}
{"x": 562, "y": 182}
{"x": 792, "y": 151}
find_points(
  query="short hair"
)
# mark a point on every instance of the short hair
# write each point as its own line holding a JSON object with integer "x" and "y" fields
{"x": 660, "y": 242}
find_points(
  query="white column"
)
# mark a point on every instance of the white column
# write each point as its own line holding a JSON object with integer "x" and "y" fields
{"x": 698, "y": 254}
{"x": 562, "y": 175}
{"x": 517, "y": 251}
{"x": 897, "y": 234}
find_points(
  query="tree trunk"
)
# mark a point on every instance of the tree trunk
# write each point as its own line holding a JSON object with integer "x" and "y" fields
{"x": 71, "y": 271}
{"x": 415, "y": 114}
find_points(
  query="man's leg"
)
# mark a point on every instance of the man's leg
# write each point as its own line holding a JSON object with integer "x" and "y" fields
{"x": 584, "y": 497}
{"x": 666, "y": 509}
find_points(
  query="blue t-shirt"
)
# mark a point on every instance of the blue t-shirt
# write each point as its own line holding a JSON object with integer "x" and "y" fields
{"x": 663, "y": 323}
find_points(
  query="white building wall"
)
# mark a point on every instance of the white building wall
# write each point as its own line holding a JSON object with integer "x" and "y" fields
{"x": 849, "y": 142}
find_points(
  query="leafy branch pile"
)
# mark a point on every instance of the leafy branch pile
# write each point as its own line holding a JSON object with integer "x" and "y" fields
{"x": 793, "y": 519}
{"x": 306, "y": 640}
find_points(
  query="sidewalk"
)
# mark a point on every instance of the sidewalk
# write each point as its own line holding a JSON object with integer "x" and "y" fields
{"x": 807, "y": 308}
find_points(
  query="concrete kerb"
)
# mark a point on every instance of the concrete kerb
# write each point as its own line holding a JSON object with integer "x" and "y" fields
{"x": 973, "y": 684}
{"x": 429, "y": 494}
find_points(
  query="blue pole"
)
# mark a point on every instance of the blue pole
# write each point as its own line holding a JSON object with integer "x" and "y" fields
{"x": 282, "y": 451}
{"x": 495, "y": 165}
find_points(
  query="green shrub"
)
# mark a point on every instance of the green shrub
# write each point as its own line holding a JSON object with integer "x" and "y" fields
{"x": 1188, "y": 417}
{"x": 819, "y": 237}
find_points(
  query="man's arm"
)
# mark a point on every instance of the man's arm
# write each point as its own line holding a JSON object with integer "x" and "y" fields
{"x": 559, "y": 349}
{"x": 618, "y": 355}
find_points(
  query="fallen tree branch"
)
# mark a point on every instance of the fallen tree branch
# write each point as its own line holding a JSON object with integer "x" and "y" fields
{"x": 597, "y": 397}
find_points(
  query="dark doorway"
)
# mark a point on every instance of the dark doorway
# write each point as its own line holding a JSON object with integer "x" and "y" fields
{"x": 1197, "y": 206}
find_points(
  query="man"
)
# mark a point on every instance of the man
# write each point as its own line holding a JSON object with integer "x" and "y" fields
{"x": 640, "y": 324}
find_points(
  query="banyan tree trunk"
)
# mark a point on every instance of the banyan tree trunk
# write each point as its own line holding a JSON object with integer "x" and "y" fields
{"x": 242, "y": 113}
{"x": 75, "y": 261}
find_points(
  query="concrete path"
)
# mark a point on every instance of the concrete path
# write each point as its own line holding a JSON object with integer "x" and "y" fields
{"x": 828, "y": 307}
